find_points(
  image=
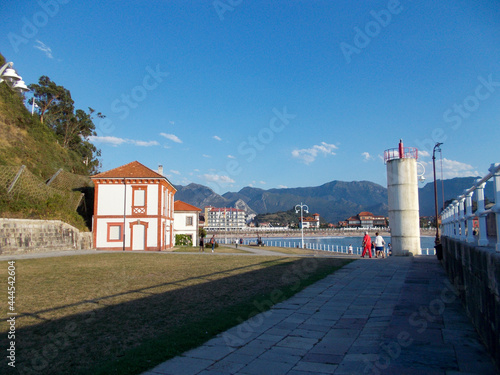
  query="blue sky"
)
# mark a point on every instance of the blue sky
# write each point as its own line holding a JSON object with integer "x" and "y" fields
{"x": 235, "y": 93}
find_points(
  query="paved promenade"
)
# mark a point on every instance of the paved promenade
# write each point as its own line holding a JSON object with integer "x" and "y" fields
{"x": 374, "y": 316}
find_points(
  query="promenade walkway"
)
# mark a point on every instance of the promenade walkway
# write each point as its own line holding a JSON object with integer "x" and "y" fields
{"x": 374, "y": 316}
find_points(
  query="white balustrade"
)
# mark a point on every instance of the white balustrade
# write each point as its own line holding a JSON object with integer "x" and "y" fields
{"x": 457, "y": 220}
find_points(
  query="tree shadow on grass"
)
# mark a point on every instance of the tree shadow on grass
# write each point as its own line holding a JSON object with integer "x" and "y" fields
{"x": 149, "y": 325}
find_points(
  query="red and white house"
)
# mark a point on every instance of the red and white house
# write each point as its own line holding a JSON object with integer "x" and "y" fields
{"x": 186, "y": 220}
{"x": 309, "y": 222}
{"x": 133, "y": 209}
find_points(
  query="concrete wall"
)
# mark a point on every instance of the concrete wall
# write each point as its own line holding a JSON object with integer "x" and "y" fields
{"x": 23, "y": 236}
{"x": 475, "y": 272}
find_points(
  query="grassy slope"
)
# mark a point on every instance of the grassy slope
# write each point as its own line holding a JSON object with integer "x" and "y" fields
{"x": 24, "y": 140}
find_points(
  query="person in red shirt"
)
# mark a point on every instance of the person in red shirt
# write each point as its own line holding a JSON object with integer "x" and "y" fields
{"x": 367, "y": 245}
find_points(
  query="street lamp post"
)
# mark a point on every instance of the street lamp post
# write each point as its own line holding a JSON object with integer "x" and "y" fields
{"x": 437, "y": 240}
{"x": 15, "y": 81}
{"x": 302, "y": 207}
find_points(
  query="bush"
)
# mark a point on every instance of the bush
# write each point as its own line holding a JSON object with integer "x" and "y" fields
{"x": 183, "y": 240}
{"x": 208, "y": 244}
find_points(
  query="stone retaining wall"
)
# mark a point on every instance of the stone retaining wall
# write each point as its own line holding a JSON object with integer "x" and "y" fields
{"x": 22, "y": 236}
{"x": 475, "y": 272}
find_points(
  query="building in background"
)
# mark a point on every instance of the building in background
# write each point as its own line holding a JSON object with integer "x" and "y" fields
{"x": 186, "y": 220}
{"x": 225, "y": 218}
{"x": 133, "y": 209}
{"x": 309, "y": 222}
{"x": 364, "y": 219}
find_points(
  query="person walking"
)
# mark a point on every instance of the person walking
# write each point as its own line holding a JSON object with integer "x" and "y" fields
{"x": 379, "y": 246}
{"x": 350, "y": 249}
{"x": 212, "y": 241}
{"x": 202, "y": 244}
{"x": 367, "y": 245}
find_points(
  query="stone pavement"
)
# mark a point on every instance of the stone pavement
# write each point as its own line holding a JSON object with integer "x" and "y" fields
{"x": 374, "y": 316}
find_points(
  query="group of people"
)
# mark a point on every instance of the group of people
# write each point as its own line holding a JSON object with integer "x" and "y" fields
{"x": 202, "y": 243}
{"x": 377, "y": 245}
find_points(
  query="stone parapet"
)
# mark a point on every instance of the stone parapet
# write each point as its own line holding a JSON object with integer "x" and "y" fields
{"x": 475, "y": 272}
{"x": 23, "y": 236}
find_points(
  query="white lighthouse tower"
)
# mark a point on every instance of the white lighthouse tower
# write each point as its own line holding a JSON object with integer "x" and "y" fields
{"x": 402, "y": 190}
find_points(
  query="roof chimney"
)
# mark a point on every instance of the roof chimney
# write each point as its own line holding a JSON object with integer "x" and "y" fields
{"x": 160, "y": 169}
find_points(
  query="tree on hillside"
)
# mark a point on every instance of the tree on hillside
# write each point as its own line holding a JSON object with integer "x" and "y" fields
{"x": 48, "y": 95}
{"x": 73, "y": 128}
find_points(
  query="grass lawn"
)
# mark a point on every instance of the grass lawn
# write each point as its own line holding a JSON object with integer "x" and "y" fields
{"x": 220, "y": 249}
{"x": 124, "y": 313}
{"x": 293, "y": 250}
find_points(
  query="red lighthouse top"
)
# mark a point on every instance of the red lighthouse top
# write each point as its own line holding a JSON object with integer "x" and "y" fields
{"x": 400, "y": 153}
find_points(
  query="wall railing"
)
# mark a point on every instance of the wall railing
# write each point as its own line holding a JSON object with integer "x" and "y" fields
{"x": 457, "y": 220}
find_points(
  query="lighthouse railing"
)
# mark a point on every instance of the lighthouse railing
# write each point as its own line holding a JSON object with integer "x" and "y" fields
{"x": 395, "y": 153}
{"x": 457, "y": 219}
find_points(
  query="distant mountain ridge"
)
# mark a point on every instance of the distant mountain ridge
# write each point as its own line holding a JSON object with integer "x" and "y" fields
{"x": 334, "y": 201}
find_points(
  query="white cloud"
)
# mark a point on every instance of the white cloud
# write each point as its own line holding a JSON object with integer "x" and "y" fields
{"x": 172, "y": 137}
{"x": 172, "y": 122}
{"x": 196, "y": 170}
{"x": 44, "y": 48}
{"x": 175, "y": 172}
{"x": 231, "y": 157}
{"x": 218, "y": 178}
{"x": 423, "y": 153}
{"x": 217, "y": 138}
{"x": 367, "y": 156}
{"x": 144, "y": 143}
{"x": 451, "y": 169}
{"x": 282, "y": 187}
{"x": 115, "y": 141}
{"x": 206, "y": 156}
{"x": 262, "y": 182}
{"x": 308, "y": 155}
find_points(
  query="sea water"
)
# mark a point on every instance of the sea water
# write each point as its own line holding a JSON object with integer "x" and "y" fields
{"x": 335, "y": 243}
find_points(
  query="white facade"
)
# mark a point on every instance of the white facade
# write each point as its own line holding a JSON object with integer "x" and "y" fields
{"x": 224, "y": 219}
{"x": 186, "y": 220}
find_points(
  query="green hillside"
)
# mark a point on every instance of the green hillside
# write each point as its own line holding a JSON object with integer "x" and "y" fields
{"x": 24, "y": 140}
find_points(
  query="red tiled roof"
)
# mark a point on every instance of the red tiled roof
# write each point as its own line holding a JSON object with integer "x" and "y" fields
{"x": 310, "y": 219}
{"x": 183, "y": 206}
{"x": 226, "y": 209}
{"x": 132, "y": 170}
{"x": 365, "y": 213}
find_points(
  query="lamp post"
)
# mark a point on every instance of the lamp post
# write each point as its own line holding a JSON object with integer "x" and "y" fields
{"x": 15, "y": 81}
{"x": 437, "y": 240}
{"x": 302, "y": 207}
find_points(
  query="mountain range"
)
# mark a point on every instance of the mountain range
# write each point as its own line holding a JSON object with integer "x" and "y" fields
{"x": 334, "y": 201}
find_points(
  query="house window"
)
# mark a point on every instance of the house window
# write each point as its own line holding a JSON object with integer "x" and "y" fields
{"x": 189, "y": 220}
{"x": 139, "y": 199}
{"x": 115, "y": 232}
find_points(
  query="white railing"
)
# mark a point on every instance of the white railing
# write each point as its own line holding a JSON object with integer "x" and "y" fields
{"x": 296, "y": 243}
{"x": 457, "y": 219}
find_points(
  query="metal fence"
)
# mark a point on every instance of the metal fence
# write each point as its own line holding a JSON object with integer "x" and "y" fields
{"x": 19, "y": 182}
